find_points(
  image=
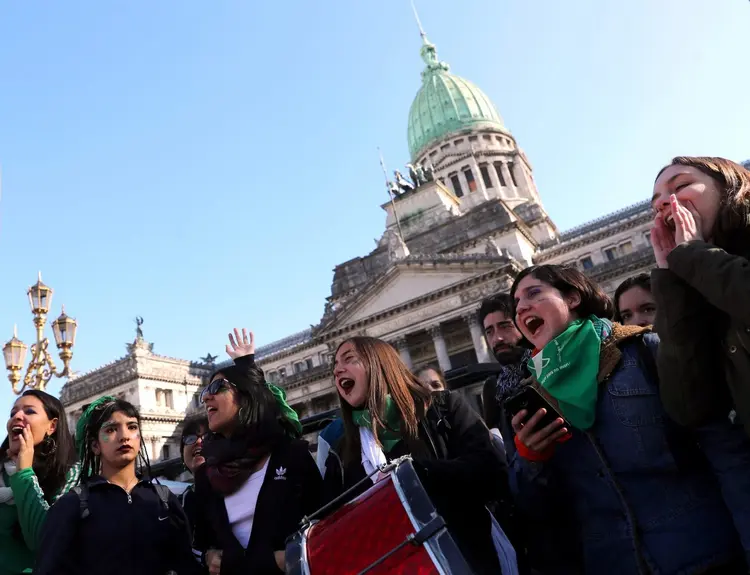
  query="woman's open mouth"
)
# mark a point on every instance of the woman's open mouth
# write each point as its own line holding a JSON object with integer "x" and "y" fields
{"x": 533, "y": 324}
{"x": 17, "y": 430}
{"x": 197, "y": 451}
{"x": 346, "y": 385}
{"x": 211, "y": 410}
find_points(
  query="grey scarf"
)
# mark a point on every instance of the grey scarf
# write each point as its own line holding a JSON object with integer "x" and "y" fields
{"x": 510, "y": 377}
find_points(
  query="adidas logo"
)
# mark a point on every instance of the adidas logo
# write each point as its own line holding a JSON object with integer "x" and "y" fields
{"x": 280, "y": 474}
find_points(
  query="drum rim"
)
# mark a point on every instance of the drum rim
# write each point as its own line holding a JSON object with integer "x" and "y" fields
{"x": 400, "y": 491}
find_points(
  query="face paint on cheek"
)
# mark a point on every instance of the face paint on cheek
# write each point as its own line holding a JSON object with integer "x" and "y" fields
{"x": 104, "y": 438}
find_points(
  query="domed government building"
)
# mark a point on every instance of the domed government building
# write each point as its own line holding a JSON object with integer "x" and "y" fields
{"x": 459, "y": 229}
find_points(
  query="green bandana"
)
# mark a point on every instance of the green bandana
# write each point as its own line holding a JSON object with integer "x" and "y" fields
{"x": 84, "y": 421}
{"x": 567, "y": 368}
{"x": 286, "y": 410}
{"x": 389, "y": 436}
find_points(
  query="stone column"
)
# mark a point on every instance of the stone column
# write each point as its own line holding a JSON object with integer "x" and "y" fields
{"x": 403, "y": 350}
{"x": 440, "y": 348}
{"x": 506, "y": 175}
{"x": 477, "y": 337}
{"x": 496, "y": 187}
{"x": 481, "y": 188}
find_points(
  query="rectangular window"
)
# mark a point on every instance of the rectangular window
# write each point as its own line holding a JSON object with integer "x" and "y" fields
{"x": 487, "y": 138}
{"x": 282, "y": 372}
{"x": 457, "y": 186}
{"x": 499, "y": 172}
{"x": 160, "y": 397}
{"x": 511, "y": 167}
{"x": 445, "y": 147}
{"x": 433, "y": 153}
{"x": 470, "y": 180}
{"x": 165, "y": 452}
{"x": 458, "y": 142}
{"x": 473, "y": 138}
{"x": 626, "y": 248}
{"x": 298, "y": 368}
{"x": 586, "y": 263}
{"x": 485, "y": 176}
{"x": 610, "y": 254}
{"x": 168, "y": 399}
{"x": 308, "y": 363}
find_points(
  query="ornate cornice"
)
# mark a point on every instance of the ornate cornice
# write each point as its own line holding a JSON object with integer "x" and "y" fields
{"x": 602, "y": 234}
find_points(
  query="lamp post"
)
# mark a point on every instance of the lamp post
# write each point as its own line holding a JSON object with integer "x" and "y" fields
{"x": 42, "y": 366}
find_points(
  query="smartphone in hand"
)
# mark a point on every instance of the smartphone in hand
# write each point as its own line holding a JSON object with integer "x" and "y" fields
{"x": 532, "y": 401}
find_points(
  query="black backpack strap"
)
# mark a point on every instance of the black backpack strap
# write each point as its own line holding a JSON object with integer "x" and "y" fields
{"x": 436, "y": 417}
{"x": 163, "y": 492}
{"x": 83, "y": 497}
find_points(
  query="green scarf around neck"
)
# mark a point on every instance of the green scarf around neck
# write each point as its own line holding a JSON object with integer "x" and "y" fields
{"x": 568, "y": 366}
{"x": 389, "y": 436}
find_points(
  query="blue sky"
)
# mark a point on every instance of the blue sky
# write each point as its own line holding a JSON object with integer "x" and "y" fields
{"x": 206, "y": 165}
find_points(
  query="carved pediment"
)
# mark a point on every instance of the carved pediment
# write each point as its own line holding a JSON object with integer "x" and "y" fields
{"x": 403, "y": 283}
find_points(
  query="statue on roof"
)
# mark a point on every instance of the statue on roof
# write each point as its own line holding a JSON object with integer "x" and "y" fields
{"x": 138, "y": 330}
{"x": 403, "y": 184}
{"x": 209, "y": 359}
{"x": 429, "y": 173}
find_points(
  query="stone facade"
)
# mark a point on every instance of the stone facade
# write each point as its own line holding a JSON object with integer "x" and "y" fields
{"x": 446, "y": 245}
{"x": 163, "y": 388}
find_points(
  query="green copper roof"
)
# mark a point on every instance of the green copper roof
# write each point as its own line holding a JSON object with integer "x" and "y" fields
{"x": 445, "y": 103}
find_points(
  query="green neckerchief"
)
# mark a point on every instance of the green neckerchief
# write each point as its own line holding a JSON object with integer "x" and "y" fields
{"x": 286, "y": 410}
{"x": 389, "y": 436}
{"x": 567, "y": 367}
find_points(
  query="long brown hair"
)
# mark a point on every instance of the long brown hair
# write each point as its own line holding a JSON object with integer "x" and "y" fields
{"x": 733, "y": 220}
{"x": 388, "y": 375}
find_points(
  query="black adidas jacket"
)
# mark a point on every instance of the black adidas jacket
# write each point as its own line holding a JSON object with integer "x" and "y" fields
{"x": 122, "y": 533}
{"x": 291, "y": 489}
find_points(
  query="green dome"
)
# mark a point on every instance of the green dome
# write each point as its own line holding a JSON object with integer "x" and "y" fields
{"x": 445, "y": 103}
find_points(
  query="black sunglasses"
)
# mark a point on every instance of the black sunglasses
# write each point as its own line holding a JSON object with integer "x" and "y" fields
{"x": 215, "y": 387}
{"x": 193, "y": 438}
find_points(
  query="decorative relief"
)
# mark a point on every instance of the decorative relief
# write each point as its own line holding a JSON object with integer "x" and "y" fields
{"x": 415, "y": 317}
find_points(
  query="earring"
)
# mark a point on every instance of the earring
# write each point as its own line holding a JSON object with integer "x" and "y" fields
{"x": 48, "y": 446}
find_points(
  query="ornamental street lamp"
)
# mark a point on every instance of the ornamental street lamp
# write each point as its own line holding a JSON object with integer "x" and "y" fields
{"x": 42, "y": 366}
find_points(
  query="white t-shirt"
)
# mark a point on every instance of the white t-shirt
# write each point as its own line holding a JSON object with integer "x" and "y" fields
{"x": 241, "y": 506}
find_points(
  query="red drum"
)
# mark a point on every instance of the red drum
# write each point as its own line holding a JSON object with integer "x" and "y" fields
{"x": 393, "y": 528}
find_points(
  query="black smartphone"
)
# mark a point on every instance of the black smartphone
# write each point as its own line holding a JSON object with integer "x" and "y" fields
{"x": 531, "y": 400}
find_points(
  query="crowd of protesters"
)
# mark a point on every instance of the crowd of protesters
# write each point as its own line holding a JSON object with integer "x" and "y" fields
{"x": 615, "y": 437}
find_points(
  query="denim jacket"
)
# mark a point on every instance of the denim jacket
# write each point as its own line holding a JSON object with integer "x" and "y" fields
{"x": 645, "y": 497}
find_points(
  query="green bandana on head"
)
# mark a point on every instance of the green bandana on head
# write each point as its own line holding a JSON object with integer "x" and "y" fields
{"x": 568, "y": 366}
{"x": 388, "y": 436}
{"x": 84, "y": 421}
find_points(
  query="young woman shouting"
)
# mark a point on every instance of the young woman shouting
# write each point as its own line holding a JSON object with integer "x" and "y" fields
{"x": 701, "y": 240}
{"x": 385, "y": 408}
{"x": 643, "y": 493}
{"x": 37, "y": 466}
{"x": 258, "y": 480}
{"x": 116, "y": 521}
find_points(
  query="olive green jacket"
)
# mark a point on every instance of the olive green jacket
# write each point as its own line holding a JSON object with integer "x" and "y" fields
{"x": 703, "y": 321}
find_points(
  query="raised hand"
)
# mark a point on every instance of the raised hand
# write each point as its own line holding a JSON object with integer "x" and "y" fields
{"x": 662, "y": 241}
{"x": 241, "y": 345}
{"x": 25, "y": 456}
{"x": 687, "y": 221}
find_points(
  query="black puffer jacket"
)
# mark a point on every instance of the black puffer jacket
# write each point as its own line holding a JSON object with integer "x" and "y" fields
{"x": 461, "y": 481}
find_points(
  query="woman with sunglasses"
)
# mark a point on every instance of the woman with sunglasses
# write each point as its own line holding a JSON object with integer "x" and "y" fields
{"x": 259, "y": 479}
{"x": 194, "y": 429}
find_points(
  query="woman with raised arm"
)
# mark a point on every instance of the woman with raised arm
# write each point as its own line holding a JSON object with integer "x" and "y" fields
{"x": 117, "y": 520}
{"x": 387, "y": 413}
{"x": 259, "y": 479}
{"x": 37, "y": 466}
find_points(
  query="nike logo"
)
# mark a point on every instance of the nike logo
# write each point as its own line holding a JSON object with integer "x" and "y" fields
{"x": 163, "y": 518}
